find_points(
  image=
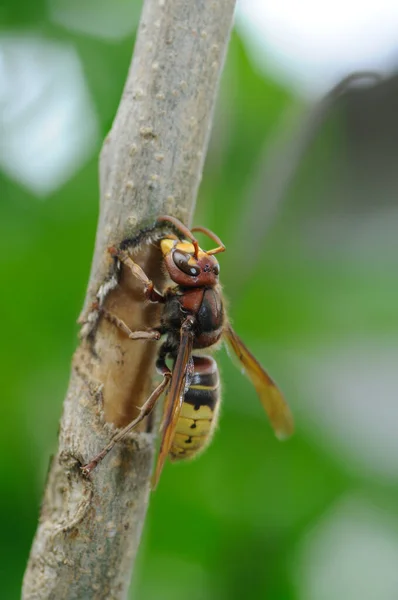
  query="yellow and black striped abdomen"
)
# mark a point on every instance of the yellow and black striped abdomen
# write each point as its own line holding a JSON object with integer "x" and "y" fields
{"x": 199, "y": 412}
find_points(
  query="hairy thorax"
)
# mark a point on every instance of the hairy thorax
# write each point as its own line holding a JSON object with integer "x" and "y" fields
{"x": 205, "y": 304}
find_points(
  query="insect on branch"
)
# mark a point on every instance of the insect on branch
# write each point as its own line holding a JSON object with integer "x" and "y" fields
{"x": 150, "y": 165}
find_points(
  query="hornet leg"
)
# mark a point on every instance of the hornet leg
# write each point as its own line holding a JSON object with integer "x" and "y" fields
{"x": 149, "y": 289}
{"x": 144, "y": 412}
{"x": 151, "y": 334}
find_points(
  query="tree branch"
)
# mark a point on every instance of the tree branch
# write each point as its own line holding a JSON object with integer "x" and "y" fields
{"x": 151, "y": 164}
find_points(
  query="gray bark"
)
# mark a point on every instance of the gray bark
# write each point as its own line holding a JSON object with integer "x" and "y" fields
{"x": 151, "y": 164}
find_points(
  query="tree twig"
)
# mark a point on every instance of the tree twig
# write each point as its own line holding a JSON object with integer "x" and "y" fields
{"x": 151, "y": 164}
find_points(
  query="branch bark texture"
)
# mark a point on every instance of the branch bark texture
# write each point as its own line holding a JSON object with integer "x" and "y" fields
{"x": 151, "y": 164}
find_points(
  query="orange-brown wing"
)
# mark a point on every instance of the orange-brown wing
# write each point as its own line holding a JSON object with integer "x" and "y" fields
{"x": 174, "y": 399}
{"x": 271, "y": 398}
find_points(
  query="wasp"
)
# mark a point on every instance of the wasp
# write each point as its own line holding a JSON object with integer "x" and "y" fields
{"x": 193, "y": 320}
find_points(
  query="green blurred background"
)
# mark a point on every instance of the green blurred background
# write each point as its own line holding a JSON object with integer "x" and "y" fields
{"x": 312, "y": 287}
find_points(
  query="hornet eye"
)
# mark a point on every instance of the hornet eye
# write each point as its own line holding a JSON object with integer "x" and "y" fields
{"x": 216, "y": 269}
{"x": 181, "y": 261}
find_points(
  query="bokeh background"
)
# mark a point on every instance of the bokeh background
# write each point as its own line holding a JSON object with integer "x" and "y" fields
{"x": 304, "y": 195}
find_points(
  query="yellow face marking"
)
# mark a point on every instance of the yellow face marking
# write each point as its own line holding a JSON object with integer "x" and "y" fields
{"x": 185, "y": 247}
{"x": 166, "y": 245}
{"x": 189, "y": 249}
{"x": 192, "y": 262}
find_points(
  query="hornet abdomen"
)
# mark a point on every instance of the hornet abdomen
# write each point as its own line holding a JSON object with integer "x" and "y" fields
{"x": 198, "y": 417}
